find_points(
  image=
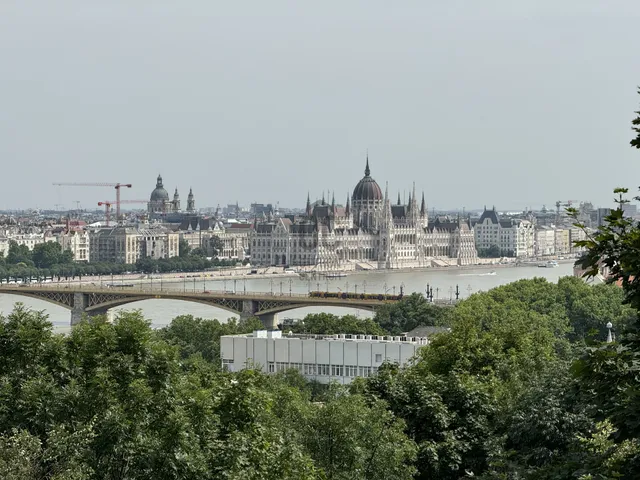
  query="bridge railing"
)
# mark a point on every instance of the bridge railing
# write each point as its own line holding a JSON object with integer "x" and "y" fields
{"x": 144, "y": 289}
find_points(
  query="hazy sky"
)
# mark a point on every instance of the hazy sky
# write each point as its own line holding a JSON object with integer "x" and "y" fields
{"x": 511, "y": 103}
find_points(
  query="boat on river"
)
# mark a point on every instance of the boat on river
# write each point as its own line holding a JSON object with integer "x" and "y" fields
{"x": 548, "y": 264}
{"x": 335, "y": 275}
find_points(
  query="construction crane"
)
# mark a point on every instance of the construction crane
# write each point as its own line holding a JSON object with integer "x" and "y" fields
{"x": 566, "y": 204}
{"x": 107, "y": 207}
{"x": 117, "y": 186}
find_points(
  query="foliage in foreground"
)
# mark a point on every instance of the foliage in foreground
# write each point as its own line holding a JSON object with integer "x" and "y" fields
{"x": 112, "y": 401}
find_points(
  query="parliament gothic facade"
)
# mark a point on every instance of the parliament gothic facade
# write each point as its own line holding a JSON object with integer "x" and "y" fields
{"x": 369, "y": 232}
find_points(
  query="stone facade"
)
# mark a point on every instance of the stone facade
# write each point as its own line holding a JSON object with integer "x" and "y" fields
{"x": 128, "y": 245}
{"x": 77, "y": 241}
{"x": 367, "y": 233}
{"x": 513, "y": 237}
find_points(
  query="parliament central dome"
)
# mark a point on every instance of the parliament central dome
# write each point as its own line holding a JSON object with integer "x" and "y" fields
{"x": 367, "y": 189}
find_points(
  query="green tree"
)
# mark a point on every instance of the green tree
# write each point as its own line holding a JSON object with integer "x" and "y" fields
{"x": 116, "y": 399}
{"x": 329, "y": 324}
{"x": 635, "y": 142}
{"x": 410, "y": 312}
{"x": 492, "y": 252}
{"x": 18, "y": 254}
{"x": 216, "y": 245}
{"x": 199, "y": 336}
{"x": 46, "y": 254}
{"x": 451, "y": 418}
{"x": 198, "y": 252}
{"x": 183, "y": 248}
{"x": 349, "y": 438}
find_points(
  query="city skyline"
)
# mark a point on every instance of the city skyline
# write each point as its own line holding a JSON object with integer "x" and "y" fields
{"x": 506, "y": 104}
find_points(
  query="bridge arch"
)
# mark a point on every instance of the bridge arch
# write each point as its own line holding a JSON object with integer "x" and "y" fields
{"x": 61, "y": 299}
{"x": 118, "y": 302}
{"x": 287, "y": 308}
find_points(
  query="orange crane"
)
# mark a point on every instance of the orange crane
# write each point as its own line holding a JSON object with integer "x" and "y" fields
{"x": 117, "y": 186}
{"x": 107, "y": 206}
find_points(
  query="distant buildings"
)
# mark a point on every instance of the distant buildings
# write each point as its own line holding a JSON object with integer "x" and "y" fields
{"x": 198, "y": 232}
{"x": 128, "y": 245}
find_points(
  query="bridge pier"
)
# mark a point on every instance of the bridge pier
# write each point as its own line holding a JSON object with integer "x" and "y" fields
{"x": 79, "y": 310}
{"x": 249, "y": 309}
{"x": 269, "y": 320}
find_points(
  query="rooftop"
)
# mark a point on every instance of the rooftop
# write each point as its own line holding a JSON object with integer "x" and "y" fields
{"x": 277, "y": 334}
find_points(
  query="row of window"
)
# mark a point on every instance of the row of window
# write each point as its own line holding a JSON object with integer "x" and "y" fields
{"x": 321, "y": 369}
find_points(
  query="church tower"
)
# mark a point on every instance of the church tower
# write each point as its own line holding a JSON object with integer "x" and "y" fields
{"x": 191, "y": 203}
{"x": 175, "y": 205}
{"x": 308, "y": 209}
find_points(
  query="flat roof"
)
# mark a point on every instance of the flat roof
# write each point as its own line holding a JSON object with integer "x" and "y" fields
{"x": 276, "y": 334}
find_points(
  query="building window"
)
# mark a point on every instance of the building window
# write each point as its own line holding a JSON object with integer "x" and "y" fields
{"x": 227, "y": 365}
{"x": 271, "y": 367}
{"x": 337, "y": 370}
{"x": 350, "y": 371}
{"x": 378, "y": 357}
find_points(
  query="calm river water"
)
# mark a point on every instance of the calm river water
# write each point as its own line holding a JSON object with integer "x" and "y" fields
{"x": 443, "y": 282}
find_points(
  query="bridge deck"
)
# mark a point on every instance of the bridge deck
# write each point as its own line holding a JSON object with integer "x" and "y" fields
{"x": 148, "y": 293}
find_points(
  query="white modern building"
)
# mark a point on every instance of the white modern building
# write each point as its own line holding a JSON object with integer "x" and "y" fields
{"x": 324, "y": 358}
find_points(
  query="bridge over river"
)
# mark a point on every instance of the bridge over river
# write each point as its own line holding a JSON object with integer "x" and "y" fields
{"x": 91, "y": 300}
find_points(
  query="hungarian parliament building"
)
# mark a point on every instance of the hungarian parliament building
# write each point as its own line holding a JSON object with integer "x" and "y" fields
{"x": 369, "y": 232}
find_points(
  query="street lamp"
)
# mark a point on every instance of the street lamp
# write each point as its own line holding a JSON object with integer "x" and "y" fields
{"x": 609, "y": 336}
{"x": 280, "y": 288}
{"x": 290, "y": 285}
{"x": 364, "y": 287}
{"x": 271, "y": 285}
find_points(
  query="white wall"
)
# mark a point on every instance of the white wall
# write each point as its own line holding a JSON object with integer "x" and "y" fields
{"x": 345, "y": 359}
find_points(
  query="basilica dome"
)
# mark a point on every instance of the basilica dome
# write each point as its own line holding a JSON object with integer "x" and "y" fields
{"x": 159, "y": 194}
{"x": 367, "y": 189}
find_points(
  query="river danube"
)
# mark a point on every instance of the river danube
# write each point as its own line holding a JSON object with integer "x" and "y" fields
{"x": 443, "y": 282}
